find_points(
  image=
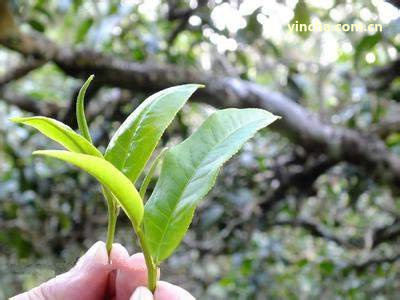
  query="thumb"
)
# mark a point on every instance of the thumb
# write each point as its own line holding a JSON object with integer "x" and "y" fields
{"x": 142, "y": 293}
{"x": 86, "y": 280}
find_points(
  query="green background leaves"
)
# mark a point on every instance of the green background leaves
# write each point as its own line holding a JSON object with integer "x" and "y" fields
{"x": 189, "y": 171}
{"x": 302, "y": 16}
{"x": 367, "y": 43}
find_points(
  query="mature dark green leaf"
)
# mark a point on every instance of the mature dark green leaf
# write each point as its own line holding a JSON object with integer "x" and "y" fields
{"x": 302, "y": 16}
{"x": 43, "y": 10}
{"x": 80, "y": 110}
{"x": 83, "y": 30}
{"x": 60, "y": 133}
{"x": 189, "y": 171}
{"x": 134, "y": 142}
{"x": 76, "y": 4}
{"x": 37, "y": 25}
{"x": 121, "y": 187}
{"x": 367, "y": 43}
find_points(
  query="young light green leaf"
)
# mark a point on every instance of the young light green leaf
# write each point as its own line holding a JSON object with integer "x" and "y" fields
{"x": 189, "y": 171}
{"x": 133, "y": 143}
{"x": 60, "y": 133}
{"x": 121, "y": 187}
{"x": 80, "y": 110}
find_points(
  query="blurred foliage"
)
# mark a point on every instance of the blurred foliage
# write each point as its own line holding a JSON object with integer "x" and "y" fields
{"x": 50, "y": 213}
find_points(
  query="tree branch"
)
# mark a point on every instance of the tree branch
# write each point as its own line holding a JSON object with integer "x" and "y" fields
{"x": 386, "y": 233}
{"x": 386, "y": 127}
{"x": 20, "y": 71}
{"x": 291, "y": 176}
{"x": 316, "y": 230}
{"x": 395, "y": 3}
{"x": 183, "y": 16}
{"x": 382, "y": 78}
{"x": 31, "y": 105}
{"x": 379, "y": 235}
{"x": 361, "y": 267}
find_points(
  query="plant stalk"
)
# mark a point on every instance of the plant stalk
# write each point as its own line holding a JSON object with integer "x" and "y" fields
{"x": 151, "y": 172}
{"x": 112, "y": 208}
{"x": 151, "y": 266}
{"x": 112, "y": 221}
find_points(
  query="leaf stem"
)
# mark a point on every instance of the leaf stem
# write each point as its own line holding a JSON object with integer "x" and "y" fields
{"x": 112, "y": 221}
{"x": 113, "y": 209}
{"x": 151, "y": 266}
{"x": 112, "y": 218}
{"x": 150, "y": 174}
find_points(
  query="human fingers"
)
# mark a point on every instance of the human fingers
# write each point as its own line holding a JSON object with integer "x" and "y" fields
{"x": 131, "y": 272}
{"x": 86, "y": 280}
{"x": 131, "y": 275}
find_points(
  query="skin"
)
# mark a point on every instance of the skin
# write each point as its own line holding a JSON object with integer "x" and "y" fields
{"x": 95, "y": 278}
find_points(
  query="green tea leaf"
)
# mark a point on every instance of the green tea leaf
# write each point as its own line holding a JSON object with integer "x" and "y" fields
{"x": 189, "y": 171}
{"x": 60, "y": 133}
{"x": 80, "y": 110}
{"x": 121, "y": 187}
{"x": 133, "y": 143}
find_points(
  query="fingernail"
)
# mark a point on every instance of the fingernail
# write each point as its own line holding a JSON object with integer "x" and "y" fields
{"x": 95, "y": 253}
{"x": 142, "y": 293}
{"x": 118, "y": 254}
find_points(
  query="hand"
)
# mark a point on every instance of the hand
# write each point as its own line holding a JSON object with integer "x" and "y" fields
{"x": 94, "y": 278}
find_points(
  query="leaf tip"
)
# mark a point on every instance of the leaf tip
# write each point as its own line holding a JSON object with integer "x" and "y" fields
{"x": 16, "y": 119}
{"x": 195, "y": 85}
{"x": 51, "y": 153}
{"x": 39, "y": 152}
